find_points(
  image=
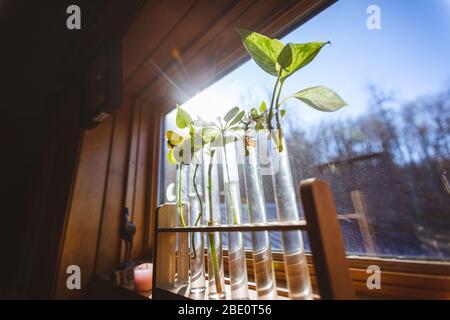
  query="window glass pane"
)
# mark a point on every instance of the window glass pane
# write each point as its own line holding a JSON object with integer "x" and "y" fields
{"x": 387, "y": 154}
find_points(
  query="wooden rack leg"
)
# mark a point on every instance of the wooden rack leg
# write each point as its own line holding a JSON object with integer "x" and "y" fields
{"x": 325, "y": 237}
{"x": 164, "y": 247}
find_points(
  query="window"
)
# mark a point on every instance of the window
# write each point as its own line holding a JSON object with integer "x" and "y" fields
{"x": 387, "y": 154}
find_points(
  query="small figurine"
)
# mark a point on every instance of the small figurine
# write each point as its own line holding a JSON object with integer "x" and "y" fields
{"x": 127, "y": 230}
{"x": 123, "y": 274}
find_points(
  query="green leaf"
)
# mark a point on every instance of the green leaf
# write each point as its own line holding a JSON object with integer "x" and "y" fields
{"x": 237, "y": 118}
{"x": 231, "y": 114}
{"x": 263, "y": 50}
{"x": 259, "y": 126}
{"x": 183, "y": 119}
{"x": 293, "y": 57}
{"x": 283, "y": 113}
{"x": 262, "y": 107}
{"x": 321, "y": 98}
{"x": 171, "y": 157}
{"x": 284, "y": 60}
{"x": 173, "y": 139}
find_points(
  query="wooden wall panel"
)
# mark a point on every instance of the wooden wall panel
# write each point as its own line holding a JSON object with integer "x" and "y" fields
{"x": 49, "y": 205}
{"x": 155, "y": 21}
{"x": 189, "y": 29}
{"x": 41, "y": 128}
{"x": 108, "y": 251}
{"x": 38, "y": 162}
{"x": 140, "y": 194}
{"x": 130, "y": 186}
{"x": 112, "y": 175}
{"x": 133, "y": 151}
{"x": 197, "y": 22}
{"x": 154, "y": 166}
{"x": 84, "y": 216}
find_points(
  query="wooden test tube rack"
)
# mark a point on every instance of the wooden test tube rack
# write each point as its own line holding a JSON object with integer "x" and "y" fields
{"x": 321, "y": 224}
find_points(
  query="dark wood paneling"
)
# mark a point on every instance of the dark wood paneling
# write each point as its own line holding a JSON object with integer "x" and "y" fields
{"x": 108, "y": 251}
{"x": 186, "y": 33}
{"x": 130, "y": 191}
{"x": 38, "y": 50}
{"x": 84, "y": 216}
{"x": 53, "y": 186}
{"x": 140, "y": 195}
{"x": 149, "y": 29}
{"x": 37, "y": 169}
{"x": 41, "y": 102}
{"x": 154, "y": 163}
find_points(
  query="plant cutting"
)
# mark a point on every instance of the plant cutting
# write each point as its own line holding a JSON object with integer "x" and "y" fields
{"x": 225, "y": 133}
{"x": 197, "y": 245}
{"x": 282, "y": 61}
{"x": 182, "y": 266}
{"x": 206, "y": 136}
{"x": 183, "y": 152}
{"x": 215, "y": 259}
{"x": 264, "y": 272}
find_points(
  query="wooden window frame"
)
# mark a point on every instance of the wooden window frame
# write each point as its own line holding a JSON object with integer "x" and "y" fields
{"x": 400, "y": 279}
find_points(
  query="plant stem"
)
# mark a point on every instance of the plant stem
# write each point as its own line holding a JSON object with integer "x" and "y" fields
{"x": 209, "y": 186}
{"x": 180, "y": 205}
{"x": 280, "y": 132}
{"x": 212, "y": 242}
{"x": 246, "y": 137}
{"x": 200, "y": 214}
{"x": 269, "y": 117}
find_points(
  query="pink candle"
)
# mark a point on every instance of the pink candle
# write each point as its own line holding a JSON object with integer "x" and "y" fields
{"x": 143, "y": 277}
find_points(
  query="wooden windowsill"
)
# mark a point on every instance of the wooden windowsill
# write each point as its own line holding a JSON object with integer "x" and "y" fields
{"x": 102, "y": 288}
{"x": 169, "y": 292}
{"x": 400, "y": 279}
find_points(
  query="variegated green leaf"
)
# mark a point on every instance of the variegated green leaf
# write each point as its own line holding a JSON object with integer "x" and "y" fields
{"x": 183, "y": 119}
{"x": 263, "y": 50}
{"x": 293, "y": 57}
{"x": 321, "y": 98}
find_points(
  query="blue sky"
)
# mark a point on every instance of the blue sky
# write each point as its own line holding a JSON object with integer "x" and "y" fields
{"x": 410, "y": 55}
